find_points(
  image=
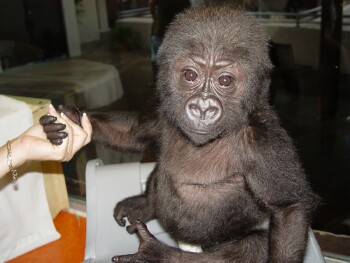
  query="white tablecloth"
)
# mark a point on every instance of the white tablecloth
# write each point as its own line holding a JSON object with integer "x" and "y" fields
{"x": 25, "y": 220}
{"x": 98, "y": 82}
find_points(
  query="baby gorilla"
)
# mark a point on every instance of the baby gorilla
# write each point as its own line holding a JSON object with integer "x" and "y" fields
{"x": 224, "y": 164}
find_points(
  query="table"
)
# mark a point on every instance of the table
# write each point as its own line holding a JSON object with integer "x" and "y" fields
{"x": 79, "y": 82}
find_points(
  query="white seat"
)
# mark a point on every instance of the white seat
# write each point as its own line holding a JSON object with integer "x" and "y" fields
{"x": 108, "y": 184}
{"x": 105, "y": 186}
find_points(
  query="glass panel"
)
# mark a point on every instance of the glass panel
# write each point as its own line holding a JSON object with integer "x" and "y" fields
{"x": 317, "y": 117}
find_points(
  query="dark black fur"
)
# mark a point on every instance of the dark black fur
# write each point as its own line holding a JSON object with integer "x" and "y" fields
{"x": 224, "y": 164}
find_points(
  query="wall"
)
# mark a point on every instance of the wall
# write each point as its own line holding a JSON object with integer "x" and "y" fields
{"x": 141, "y": 25}
{"x": 85, "y": 25}
{"x": 88, "y": 22}
{"x": 305, "y": 41}
{"x": 72, "y": 30}
{"x": 12, "y": 21}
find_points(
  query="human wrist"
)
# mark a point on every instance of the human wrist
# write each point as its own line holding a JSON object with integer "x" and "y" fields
{"x": 18, "y": 152}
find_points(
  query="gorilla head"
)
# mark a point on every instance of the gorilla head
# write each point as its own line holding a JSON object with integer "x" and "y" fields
{"x": 212, "y": 67}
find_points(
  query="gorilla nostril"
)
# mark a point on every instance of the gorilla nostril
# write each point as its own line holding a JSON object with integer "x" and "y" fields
{"x": 195, "y": 111}
{"x": 211, "y": 113}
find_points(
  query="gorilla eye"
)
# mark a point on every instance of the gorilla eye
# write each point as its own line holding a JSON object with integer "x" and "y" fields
{"x": 225, "y": 80}
{"x": 190, "y": 75}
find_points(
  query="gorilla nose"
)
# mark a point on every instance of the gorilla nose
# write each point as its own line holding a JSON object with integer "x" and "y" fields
{"x": 204, "y": 111}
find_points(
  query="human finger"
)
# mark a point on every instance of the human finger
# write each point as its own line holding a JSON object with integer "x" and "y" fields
{"x": 71, "y": 112}
{"x": 52, "y": 110}
{"x": 87, "y": 127}
{"x": 68, "y": 120}
{"x": 70, "y": 132}
{"x": 81, "y": 137}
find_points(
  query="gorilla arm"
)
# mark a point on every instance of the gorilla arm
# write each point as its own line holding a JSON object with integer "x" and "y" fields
{"x": 278, "y": 182}
{"x": 123, "y": 131}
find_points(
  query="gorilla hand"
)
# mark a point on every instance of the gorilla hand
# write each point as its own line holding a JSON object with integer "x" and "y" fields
{"x": 71, "y": 112}
{"x": 133, "y": 208}
{"x": 150, "y": 249}
{"x": 54, "y": 130}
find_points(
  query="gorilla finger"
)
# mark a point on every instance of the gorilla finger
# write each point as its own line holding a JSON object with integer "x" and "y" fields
{"x": 133, "y": 258}
{"x": 56, "y": 141}
{"x": 120, "y": 221}
{"x": 131, "y": 228}
{"x": 56, "y": 135}
{"x": 54, "y": 127}
{"x": 143, "y": 231}
{"x": 47, "y": 119}
{"x": 119, "y": 214}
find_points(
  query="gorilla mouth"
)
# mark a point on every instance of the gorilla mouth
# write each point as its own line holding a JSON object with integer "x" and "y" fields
{"x": 200, "y": 137}
{"x": 200, "y": 132}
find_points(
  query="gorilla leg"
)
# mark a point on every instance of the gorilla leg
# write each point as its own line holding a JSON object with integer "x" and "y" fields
{"x": 250, "y": 249}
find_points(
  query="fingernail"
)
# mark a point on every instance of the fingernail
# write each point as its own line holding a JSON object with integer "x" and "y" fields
{"x": 63, "y": 115}
{"x": 57, "y": 141}
{"x": 52, "y": 108}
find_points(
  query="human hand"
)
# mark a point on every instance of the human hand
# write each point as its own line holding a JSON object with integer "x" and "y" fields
{"x": 70, "y": 138}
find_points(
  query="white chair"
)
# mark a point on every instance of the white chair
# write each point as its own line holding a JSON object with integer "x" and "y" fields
{"x": 108, "y": 184}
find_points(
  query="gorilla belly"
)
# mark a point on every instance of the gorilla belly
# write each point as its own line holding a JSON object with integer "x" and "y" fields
{"x": 220, "y": 212}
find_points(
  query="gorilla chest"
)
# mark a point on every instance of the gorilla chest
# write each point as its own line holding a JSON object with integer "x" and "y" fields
{"x": 201, "y": 176}
{"x": 210, "y": 164}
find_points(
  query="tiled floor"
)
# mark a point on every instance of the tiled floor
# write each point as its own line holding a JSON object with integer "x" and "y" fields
{"x": 324, "y": 146}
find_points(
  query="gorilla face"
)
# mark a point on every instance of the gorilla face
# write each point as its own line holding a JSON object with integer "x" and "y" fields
{"x": 207, "y": 87}
{"x": 211, "y": 70}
